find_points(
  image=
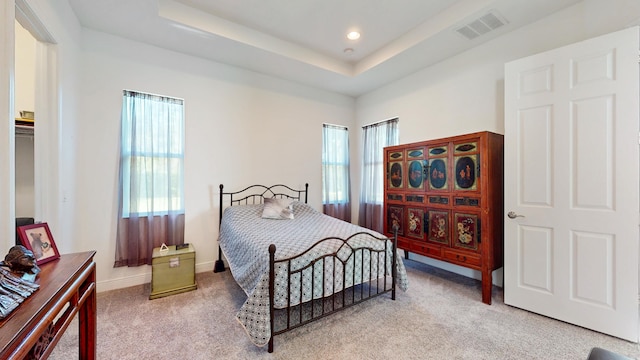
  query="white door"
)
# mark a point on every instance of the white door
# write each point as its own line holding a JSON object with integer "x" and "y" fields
{"x": 571, "y": 184}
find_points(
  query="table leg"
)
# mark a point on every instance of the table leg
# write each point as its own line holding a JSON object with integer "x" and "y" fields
{"x": 87, "y": 321}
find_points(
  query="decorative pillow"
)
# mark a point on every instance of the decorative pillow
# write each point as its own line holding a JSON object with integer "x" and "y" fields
{"x": 277, "y": 208}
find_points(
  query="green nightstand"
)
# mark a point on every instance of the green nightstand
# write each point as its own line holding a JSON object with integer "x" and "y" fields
{"x": 173, "y": 271}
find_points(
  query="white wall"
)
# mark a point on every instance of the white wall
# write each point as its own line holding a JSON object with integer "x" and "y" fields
{"x": 241, "y": 128}
{"x": 244, "y": 127}
{"x": 465, "y": 93}
{"x": 25, "y": 73}
{"x": 63, "y": 29}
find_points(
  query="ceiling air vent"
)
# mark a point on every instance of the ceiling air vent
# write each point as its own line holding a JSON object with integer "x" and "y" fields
{"x": 482, "y": 25}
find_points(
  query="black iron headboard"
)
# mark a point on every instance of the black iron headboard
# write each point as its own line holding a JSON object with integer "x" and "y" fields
{"x": 255, "y": 194}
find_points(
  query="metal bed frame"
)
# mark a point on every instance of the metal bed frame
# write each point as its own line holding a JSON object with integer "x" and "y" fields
{"x": 261, "y": 191}
{"x": 293, "y": 316}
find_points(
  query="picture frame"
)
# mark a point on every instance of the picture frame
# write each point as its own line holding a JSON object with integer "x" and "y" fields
{"x": 38, "y": 239}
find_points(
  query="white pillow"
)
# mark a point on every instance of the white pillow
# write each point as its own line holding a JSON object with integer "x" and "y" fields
{"x": 278, "y": 208}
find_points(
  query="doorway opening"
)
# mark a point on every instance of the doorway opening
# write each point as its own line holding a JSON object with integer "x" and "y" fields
{"x": 35, "y": 94}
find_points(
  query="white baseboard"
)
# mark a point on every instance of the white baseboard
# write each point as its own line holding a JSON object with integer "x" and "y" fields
{"x": 205, "y": 266}
{"x": 124, "y": 282}
{"x": 497, "y": 276}
{"x": 140, "y": 279}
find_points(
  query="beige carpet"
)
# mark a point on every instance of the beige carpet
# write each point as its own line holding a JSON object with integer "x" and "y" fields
{"x": 439, "y": 317}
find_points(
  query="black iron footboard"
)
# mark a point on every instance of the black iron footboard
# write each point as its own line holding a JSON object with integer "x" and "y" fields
{"x": 361, "y": 289}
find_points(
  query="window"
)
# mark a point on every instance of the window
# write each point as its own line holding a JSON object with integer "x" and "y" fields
{"x": 375, "y": 138}
{"x": 335, "y": 172}
{"x": 151, "y": 187}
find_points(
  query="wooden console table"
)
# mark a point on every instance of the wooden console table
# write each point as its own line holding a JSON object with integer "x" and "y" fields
{"x": 67, "y": 288}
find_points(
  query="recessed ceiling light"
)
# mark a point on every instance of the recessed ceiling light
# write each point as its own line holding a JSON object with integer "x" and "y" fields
{"x": 354, "y": 35}
{"x": 348, "y": 51}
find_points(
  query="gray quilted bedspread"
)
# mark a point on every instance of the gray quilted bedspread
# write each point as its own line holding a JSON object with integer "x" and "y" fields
{"x": 245, "y": 238}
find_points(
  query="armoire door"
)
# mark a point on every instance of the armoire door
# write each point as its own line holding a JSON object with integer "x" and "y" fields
{"x": 571, "y": 184}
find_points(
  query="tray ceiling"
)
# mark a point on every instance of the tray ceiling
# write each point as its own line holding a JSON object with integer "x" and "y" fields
{"x": 305, "y": 40}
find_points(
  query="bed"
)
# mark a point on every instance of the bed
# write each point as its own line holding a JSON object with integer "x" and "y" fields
{"x": 302, "y": 265}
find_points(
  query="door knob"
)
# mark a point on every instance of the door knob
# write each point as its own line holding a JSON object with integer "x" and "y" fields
{"x": 513, "y": 215}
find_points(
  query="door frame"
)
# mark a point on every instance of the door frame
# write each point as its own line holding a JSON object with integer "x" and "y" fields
{"x": 47, "y": 133}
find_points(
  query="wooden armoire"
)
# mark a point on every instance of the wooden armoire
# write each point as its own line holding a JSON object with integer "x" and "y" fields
{"x": 446, "y": 198}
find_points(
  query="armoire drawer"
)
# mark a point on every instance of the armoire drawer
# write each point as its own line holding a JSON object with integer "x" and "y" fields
{"x": 404, "y": 244}
{"x": 462, "y": 258}
{"x": 425, "y": 249}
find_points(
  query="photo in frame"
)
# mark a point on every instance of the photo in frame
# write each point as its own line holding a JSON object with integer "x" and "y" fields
{"x": 38, "y": 239}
